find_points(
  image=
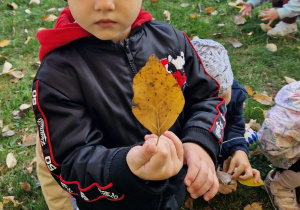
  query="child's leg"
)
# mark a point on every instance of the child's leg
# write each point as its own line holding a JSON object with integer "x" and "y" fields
{"x": 56, "y": 198}
{"x": 289, "y": 179}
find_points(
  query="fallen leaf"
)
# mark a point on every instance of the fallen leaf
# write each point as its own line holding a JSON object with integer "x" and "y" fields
{"x": 250, "y": 183}
{"x": 298, "y": 47}
{"x": 25, "y": 106}
{"x": 49, "y": 18}
{"x": 27, "y": 40}
{"x": 28, "y": 170}
{"x": 8, "y": 133}
{"x": 289, "y": 80}
{"x": 235, "y": 43}
{"x": 1, "y": 206}
{"x": 8, "y": 199}
{"x": 221, "y": 24}
{"x": 253, "y": 206}
{"x": 158, "y": 99}
{"x": 51, "y": 10}
{"x": 271, "y": 47}
{"x": 239, "y": 7}
{"x": 26, "y": 186}
{"x": 194, "y": 16}
{"x": 154, "y": 1}
{"x": 200, "y": 8}
{"x": 249, "y": 90}
{"x": 12, "y": 5}
{"x": 265, "y": 27}
{"x": 6, "y": 67}
{"x": 17, "y": 74}
{"x": 27, "y": 11}
{"x": 234, "y": 4}
{"x": 263, "y": 99}
{"x": 33, "y": 161}
{"x": 253, "y": 125}
{"x": 209, "y": 10}
{"x": 184, "y": 5}
{"x": 239, "y": 20}
{"x": 224, "y": 178}
{"x": 29, "y": 140}
{"x": 167, "y": 15}
{"x": 11, "y": 161}
{"x": 34, "y": 2}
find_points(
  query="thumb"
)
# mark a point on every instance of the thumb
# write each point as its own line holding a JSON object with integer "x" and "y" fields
{"x": 139, "y": 155}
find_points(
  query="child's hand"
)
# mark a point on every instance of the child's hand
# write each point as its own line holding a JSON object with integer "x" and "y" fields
{"x": 247, "y": 9}
{"x": 201, "y": 176}
{"x": 151, "y": 162}
{"x": 269, "y": 14}
{"x": 240, "y": 161}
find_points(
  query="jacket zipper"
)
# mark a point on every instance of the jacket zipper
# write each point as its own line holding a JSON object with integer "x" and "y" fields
{"x": 130, "y": 58}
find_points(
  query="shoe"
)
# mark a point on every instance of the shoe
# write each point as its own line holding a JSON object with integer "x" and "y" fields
{"x": 282, "y": 198}
{"x": 283, "y": 29}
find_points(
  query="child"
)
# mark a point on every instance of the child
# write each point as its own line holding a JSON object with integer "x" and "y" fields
{"x": 234, "y": 148}
{"x": 279, "y": 140}
{"x": 286, "y": 10}
{"x": 92, "y": 144}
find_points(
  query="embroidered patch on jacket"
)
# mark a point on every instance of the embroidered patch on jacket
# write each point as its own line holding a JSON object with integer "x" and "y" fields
{"x": 174, "y": 64}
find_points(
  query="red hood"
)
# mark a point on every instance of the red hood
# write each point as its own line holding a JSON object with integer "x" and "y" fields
{"x": 66, "y": 31}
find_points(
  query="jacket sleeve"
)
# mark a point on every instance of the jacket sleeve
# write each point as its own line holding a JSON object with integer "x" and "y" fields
{"x": 73, "y": 146}
{"x": 291, "y": 9}
{"x": 204, "y": 112}
{"x": 235, "y": 124}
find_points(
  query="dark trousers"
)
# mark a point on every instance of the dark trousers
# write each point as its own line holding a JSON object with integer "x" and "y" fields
{"x": 280, "y": 4}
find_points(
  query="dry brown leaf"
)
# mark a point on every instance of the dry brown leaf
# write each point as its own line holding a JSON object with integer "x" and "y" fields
{"x": 289, "y": 80}
{"x": 189, "y": 203}
{"x": 49, "y": 18}
{"x": 29, "y": 140}
{"x": 253, "y": 125}
{"x": 249, "y": 90}
{"x": 154, "y": 1}
{"x": 235, "y": 43}
{"x": 27, "y": 40}
{"x": 11, "y": 161}
{"x": 26, "y": 186}
{"x": 33, "y": 161}
{"x": 167, "y": 15}
{"x": 234, "y": 4}
{"x": 17, "y": 74}
{"x": 8, "y": 199}
{"x": 224, "y": 178}
{"x": 1, "y": 206}
{"x": 253, "y": 206}
{"x": 28, "y": 170}
{"x": 263, "y": 99}
{"x": 265, "y": 27}
{"x": 27, "y": 11}
{"x": 12, "y": 5}
{"x": 239, "y": 20}
{"x": 3, "y": 169}
{"x": 24, "y": 107}
{"x": 271, "y": 47}
{"x": 210, "y": 10}
{"x": 158, "y": 99}
{"x": 4, "y": 43}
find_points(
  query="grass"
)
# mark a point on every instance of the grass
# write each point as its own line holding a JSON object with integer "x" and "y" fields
{"x": 252, "y": 65}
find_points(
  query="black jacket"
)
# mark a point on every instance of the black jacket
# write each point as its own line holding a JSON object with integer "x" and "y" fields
{"x": 82, "y": 99}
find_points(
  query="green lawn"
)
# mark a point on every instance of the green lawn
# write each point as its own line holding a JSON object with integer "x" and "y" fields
{"x": 252, "y": 64}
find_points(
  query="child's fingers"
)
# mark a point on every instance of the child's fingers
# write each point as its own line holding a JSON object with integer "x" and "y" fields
{"x": 248, "y": 174}
{"x": 226, "y": 164}
{"x": 148, "y": 136}
{"x": 256, "y": 175}
{"x": 177, "y": 144}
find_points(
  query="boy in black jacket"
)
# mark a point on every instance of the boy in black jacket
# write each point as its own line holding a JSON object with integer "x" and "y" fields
{"x": 82, "y": 97}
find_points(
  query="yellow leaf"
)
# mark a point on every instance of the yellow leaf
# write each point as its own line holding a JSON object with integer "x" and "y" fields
{"x": 194, "y": 16}
{"x": 209, "y": 10}
{"x": 298, "y": 47}
{"x": 263, "y": 99}
{"x": 265, "y": 27}
{"x": 49, "y": 18}
{"x": 4, "y": 43}
{"x": 253, "y": 206}
{"x": 1, "y": 206}
{"x": 239, "y": 7}
{"x": 249, "y": 90}
{"x": 249, "y": 182}
{"x": 158, "y": 99}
